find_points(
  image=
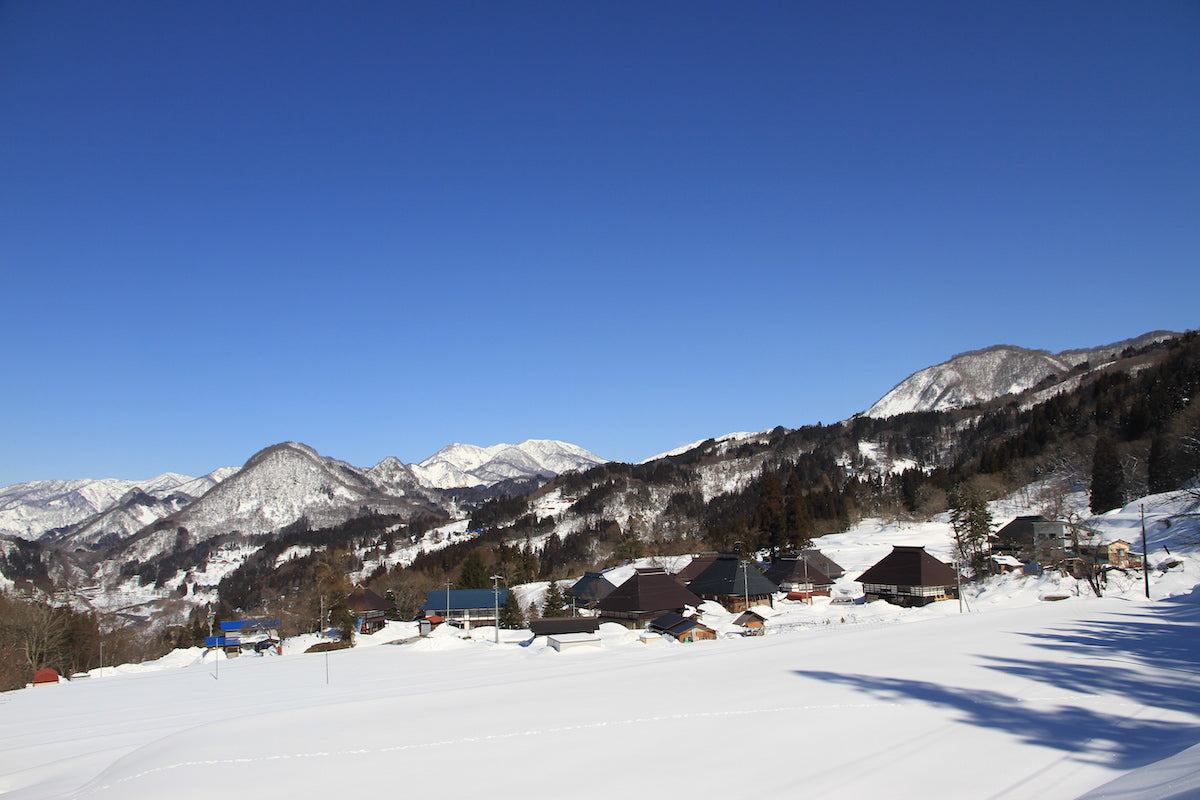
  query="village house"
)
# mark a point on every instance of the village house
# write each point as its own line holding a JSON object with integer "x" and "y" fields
{"x": 465, "y": 608}
{"x": 1115, "y": 553}
{"x": 752, "y": 623}
{"x": 797, "y": 576}
{"x": 734, "y": 583}
{"x": 681, "y": 628}
{"x": 591, "y": 589}
{"x": 694, "y": 567}
{"x": 649, "y": 593}
{"x": 1033, "y": 537}
{"x": 370, "y": 610}
{"x": 816, "y": 558}
{"x": 908, "y": 576}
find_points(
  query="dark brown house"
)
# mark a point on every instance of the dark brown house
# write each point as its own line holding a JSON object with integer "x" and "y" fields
{"x": 797, "y": 574}
{"x": 649, "y": 593}
{"x": 908, "y": 576}
{"x": 734, "y": 583}
{"x": 370, "y": 609}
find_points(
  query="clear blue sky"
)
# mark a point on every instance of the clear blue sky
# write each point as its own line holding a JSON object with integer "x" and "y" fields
{"x": 381, "y": 227}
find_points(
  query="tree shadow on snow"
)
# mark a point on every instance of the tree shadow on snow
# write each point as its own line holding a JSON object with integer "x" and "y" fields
{"x": 1149, "y": 655}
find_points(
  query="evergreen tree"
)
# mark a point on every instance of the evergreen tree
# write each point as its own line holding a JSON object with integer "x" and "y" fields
{"x": 798, "y": 518}
{"x": 972, "y": 524}
{"x": 555, "y": 603}
{"x": 474, "y": 572}
{"x": 1108, "y": 480}
{"x": 511, "y": 617}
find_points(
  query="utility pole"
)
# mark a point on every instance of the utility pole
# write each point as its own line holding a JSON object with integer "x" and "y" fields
{"x": 496, "y": 603}
{"x": 1145, "y": 554}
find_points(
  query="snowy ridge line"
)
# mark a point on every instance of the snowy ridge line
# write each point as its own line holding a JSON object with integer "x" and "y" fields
{"x": 363, "y": 751}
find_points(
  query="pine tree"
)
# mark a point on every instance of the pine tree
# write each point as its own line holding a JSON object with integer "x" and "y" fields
{"x": 1108, "y": 479}
{"x": 511, "y": 617}
{"x": 474, "y": 572}
{"x": 972, "y": 524}
{"x": 555, "y": 604}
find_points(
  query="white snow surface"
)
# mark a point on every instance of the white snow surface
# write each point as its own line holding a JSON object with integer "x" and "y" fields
{"x": 1016, "y": 698}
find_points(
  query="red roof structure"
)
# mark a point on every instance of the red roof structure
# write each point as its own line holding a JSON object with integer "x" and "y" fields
{"x": 45, "y": 675}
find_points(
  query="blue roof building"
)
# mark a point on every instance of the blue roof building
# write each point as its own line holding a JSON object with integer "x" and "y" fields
{"x": 465, "y": 607}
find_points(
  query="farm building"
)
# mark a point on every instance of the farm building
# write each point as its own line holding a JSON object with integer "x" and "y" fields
{"x": 908, "y": 576}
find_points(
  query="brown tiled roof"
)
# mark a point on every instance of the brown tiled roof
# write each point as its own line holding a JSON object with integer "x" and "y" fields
{"x": 909, "y": 566}
{"x": 363, "y": 599}
{"x": 650, "y": 589}
{"x": 697, "y": 565}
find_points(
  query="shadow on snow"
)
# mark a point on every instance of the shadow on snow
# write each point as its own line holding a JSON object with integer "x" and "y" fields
{"x": 1148, "y": 655}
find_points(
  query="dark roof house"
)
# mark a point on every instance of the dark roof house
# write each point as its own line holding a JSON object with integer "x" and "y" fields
{"x": 591, "y": 588}
{"x": 795, "y": 573}
{"x": 370, "y": 609}
{"x": 823, "y": 562}
{"x": 681, "y": 628}
{"x": 648, "y": 593}
{"x": 1033, "y": 536}
{"x": 908, "y": 576}
{"x": 734, "y": 583}
{"x": 694, "y": 567}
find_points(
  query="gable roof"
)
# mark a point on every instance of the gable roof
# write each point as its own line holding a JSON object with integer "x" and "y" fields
{"x": 649, "y": 589}
{"x": 462, "y": 599}
{"x": 694, "y": 567}
{"x": 823, "y": 562}
{"x": 909, "y": 566}
{"x": 592, "y": 587}
{"x": 363, "y": 599}
{"x": 730, "y": 575}
{"x": 676, "y": 625}
{"x": 797, "y": 569}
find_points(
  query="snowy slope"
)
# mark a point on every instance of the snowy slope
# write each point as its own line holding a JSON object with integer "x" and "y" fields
{"x": 1018, "y": 698}
{"x": 982, "y": 375}
{"x": 1044, "y": 701}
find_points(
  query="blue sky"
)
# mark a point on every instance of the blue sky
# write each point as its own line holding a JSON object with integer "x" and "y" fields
{"x": 381, "y": 227}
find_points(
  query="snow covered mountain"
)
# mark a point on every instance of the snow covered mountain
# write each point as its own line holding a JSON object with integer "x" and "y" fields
{"x": 29, "y": 510}
{"x": 287, "y": 481}
{"x": 981, "y": 375}
{"x": 459, "y": 465}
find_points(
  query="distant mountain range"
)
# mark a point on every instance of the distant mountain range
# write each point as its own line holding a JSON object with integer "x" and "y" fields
{"x": 127, "y": 539}
{"x": 275, "y": 487}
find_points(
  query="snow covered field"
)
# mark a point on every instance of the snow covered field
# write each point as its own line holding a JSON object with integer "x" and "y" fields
{"x": 1019, "y": 698}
